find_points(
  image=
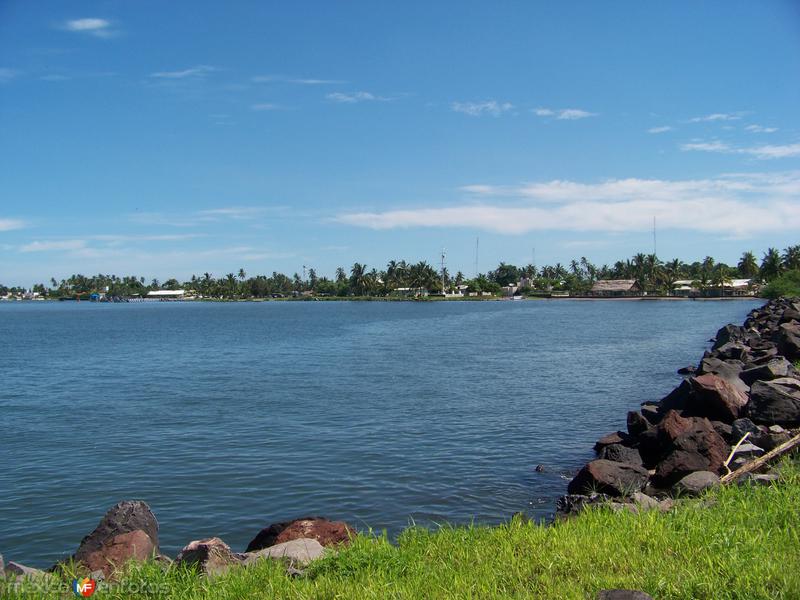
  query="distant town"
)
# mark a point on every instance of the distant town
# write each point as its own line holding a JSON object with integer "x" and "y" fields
{"x": 644, "y": 275}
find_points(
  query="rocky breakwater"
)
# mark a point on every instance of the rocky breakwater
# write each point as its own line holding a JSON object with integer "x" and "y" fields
{"x": 129, "y": 532}
{"x": 745, "y": 385}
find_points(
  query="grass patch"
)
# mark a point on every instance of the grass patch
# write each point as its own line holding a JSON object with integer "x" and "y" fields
{"x": 735, "y": 543}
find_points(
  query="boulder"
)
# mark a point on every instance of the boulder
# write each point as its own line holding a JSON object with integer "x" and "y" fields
{"x": 20, "y": 570}
{"x": 732, "y": 351}
{"x": 773, "y": 369}
{"x": 775, "y": 402}
{"x": 716, "y": 398}
{"x": 695, "y": 483}
{"x": 211, "y": 556}
{"x": 637, "y": 423}
{"x": 298, "y": 552}
{"x": 698, "y": 448}
{"x": 742, "y": 426}
{"x": 645, "y": 502}
{"x": 727, "y": 369}
{"x": 327, "y": 533}
{"x": 789, "y": 340}
{"x": 572, "y": 504}
{"x": 608, "y": 477}
{"x": 617, "y": 437}
{"x": 759, "y": 478}
{"x": 723, "y": 429}
{"x": 748, "y": 450}
{"x": 128, "y": 530}
{"x": 651, "y": 412}
{"x": 672, "y": 426}
{"x": 622, "y": 595}
{"x": 622, "y": 454}
{"x": 676, "y": 399}
{"x": 790, "y": 314}
{"x": 687, "y": 370}
{"x": 728, "y": 333}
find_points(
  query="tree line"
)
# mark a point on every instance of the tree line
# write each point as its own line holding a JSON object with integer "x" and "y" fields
{"x": 653, "y": 276}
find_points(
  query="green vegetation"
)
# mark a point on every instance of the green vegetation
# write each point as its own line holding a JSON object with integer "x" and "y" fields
{"x": 786, "y": 285}
{"x": 652, "y": 275}
{"x": 735, "y": 543}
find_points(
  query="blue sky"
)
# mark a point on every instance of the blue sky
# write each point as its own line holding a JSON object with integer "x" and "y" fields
{"x": 171, "y": 138}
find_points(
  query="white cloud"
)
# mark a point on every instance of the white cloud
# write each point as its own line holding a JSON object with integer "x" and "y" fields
{"x": 197, "y": 71}
{"x": 739, "y": 204}
{"x": 262, "y": 106}
{"x": 295, "y": 80}
{"x": 662, "y": 129}
{"x": 91, "y": 26}
{"x": 760, "y": 129}
{"x": 763, "y": 152}
{"x": 353, "y": 97}
{"x": 7, "y": 74}
{"x": 317, "y": 81}
{"x": 11, "y": 224}
{"x": 564, "y": 114}
{"x": 476, "y": 109}
{"x": 53, "y": 245}
{"x": 234, "y": 212}
{"x": 716, "y": 117}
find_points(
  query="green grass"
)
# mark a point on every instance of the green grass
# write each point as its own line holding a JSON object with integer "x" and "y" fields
{"x": 735, "y": 543}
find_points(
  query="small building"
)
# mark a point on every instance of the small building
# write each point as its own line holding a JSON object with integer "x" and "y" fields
{"x": 166, "y": 294}
{"x": 415, "y": 292}
{"x": 615, "y": 288}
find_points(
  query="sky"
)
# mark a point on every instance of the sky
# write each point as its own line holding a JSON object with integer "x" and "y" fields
{"x": 164, "y": 139}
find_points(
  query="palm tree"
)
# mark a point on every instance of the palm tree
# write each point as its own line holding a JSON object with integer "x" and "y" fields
{"x": 771, "y": 264}
{"x": 748, "y": 267}
{"x": 341, "y": 276}
{"x": 242, "y": 275}
{"x": 358, "y": 278}
{"x": 791, "y": 257}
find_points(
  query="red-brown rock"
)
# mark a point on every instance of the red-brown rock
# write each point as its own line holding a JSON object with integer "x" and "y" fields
{"x": 716, "y": 398}
{"x": 327, "y": 533}
{"x": 617, "y": 437}
{"x": 699, "y": 448}
{"x": 129, "y": 530}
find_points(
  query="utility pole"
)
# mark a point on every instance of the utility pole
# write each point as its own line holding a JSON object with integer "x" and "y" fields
{"x": 444, "y": 255}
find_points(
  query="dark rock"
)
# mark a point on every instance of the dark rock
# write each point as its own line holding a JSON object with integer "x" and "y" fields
{"x": 773, "y": 369}
{"x": 652, "y": 413}
{"x": 724, "y": 430}
{"x": 759, "y": 478}
{"x": 637, "y": 423}
{"x": 677, "y": 398}
{"x": 608, "y": 477}
{"x": 327, "y": 533}
{"x": 729, "y": 333}
{"x": 732, "y": 351}
{"x": 572, "y": 504}
{"x": 622, "y": 595}
{"x": 672, "y": 426}
{"x": 540, "y": 468}
{"x": 22, "y": 571}
{"x": 687, "y": 370}
{"x": 749, "y": 451}
{"x": 695, "y": 483}
{"x": 741, "y": 426}
{"x": 775, "y": 402}
{"x": 716, "y": 398}
{"x": 727, "y": 369}
{"x": 789, "y": 340}
{"x": 128, "y": 530}
{"x": 618, "y": 437}
{"x": 622, "y": 454}
{"x": 697, "y": 448}
{"x": 211, "y": 556}
{"x": 790, "y": 314}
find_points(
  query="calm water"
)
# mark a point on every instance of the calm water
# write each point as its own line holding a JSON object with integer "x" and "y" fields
{"x": 227, "y": 417}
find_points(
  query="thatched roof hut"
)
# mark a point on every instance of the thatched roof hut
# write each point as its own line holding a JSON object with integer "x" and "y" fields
{"x": 616, "y": 287}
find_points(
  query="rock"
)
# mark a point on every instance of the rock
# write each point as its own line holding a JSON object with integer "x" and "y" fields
{"x": 211, "y": 556}
{"x": 608, "y": 477}
{"x": 621, "y": 454}
{"x": 748, "y": 450}
{"x": 672, "y": 426}
{"x": 298, "y": 552}
{"x": 128, "y": 530}
{"x": 732, "y": 351}
{"x": 716, "y": 398}
{"x": 688, "y": 370}
{"x": 775, "y": 402}
{"x": 773, "y": 369}
{"x": 327, "y": 533}
{"x": 622, "y": 595}
{"x": 727, "y": 369}
{"x": 20, "y": 570}
{"x": 742, "y": 426}
{"x": 789, "y": 340}
{"x": 723, "y": 429}
{"x": 572, "y": 504}
{"x": 728, "y": 333}
{"x": 676, "y": 399}
{"x": 540, "y": 468}
{"x": 697, "y": 448}
{"x": 776, "y": 429}
{"x": 644, "y": 501}
{"x": 695, "y": 483}
{"x": 790, "y": 314}
{"x": 652, "y": 413}
{"x": 637, "y": 423}
{"x": 617, "y": 437}
{"x": 759, "y": 478}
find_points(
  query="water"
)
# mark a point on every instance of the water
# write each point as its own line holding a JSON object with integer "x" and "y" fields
{"x": 228, "y": 417}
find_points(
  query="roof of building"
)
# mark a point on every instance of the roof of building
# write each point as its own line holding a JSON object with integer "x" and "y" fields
{"x": 614, "y": 285}
{"x": 167, "y": 293}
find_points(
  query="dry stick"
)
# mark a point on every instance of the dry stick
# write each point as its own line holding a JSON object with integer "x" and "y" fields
{"x": 755, "y": 464}
{"x": 735, "y": 448}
